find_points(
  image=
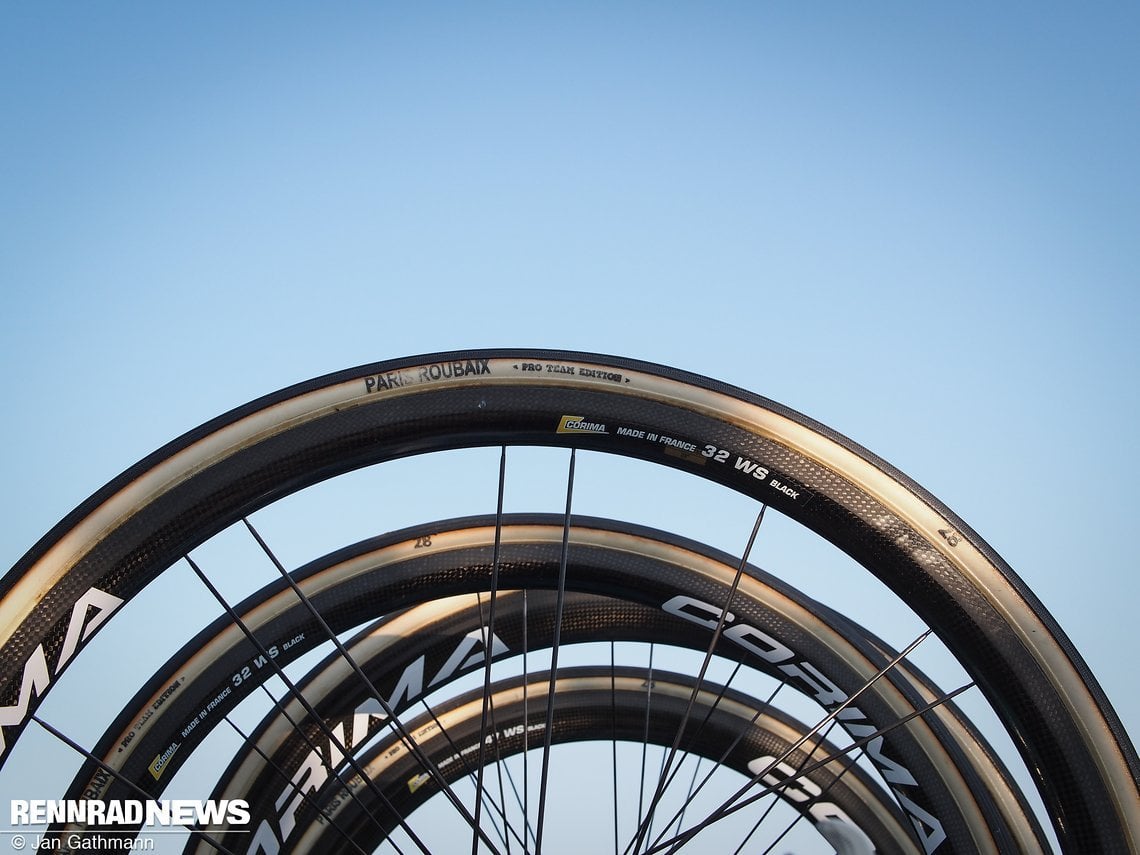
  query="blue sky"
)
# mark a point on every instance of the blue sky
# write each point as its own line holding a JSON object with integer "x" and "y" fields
{"x": 915, "y": 223}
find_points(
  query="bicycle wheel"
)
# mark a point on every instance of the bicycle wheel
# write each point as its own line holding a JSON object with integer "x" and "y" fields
{"x": 625, "y": 705}
{"x": 941, "y": 769}
{"x": 105, "y": 551}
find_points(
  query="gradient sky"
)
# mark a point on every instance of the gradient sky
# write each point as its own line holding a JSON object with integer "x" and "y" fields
{"x": 917, "y": 224}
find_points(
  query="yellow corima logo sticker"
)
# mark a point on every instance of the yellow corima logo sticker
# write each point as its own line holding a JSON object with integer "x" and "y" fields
{"x": 578, "y": 424}
{"x": 158, "y": 765}
{"x": 417, "y": 781}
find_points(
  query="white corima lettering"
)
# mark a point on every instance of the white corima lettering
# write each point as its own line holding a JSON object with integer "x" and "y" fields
{"x": 313, "y": 771}
{"x": 36, "y": 679}
{"x": 758, "y": 642}
{"x": 264, "y": 840}
{"x": 579, "y": 424}
{"x": 696, "y": 611}
{"x": 815, "y": 684}
{"x": 409, "y": 687}
{"x": 792, "y": 785}
{"x": 79, "y": 628}
{"x": 309, "y": 778}
{"x": 929, "y": 829}
{"x": 463, "y": 658}
{"x": 798, "y": 788}
{"x": 826, "y": 693}
{"x": 890, "y": 770}
{"x": 822, "y": 811}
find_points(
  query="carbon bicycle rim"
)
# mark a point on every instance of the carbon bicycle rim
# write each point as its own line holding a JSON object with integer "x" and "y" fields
{"x": 108, "y": 549}
{"x": 958, "y": 791}
{"x": 629, "y": 705}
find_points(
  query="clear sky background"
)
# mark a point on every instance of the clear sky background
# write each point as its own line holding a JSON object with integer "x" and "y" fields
{"x": 917, "y": 224}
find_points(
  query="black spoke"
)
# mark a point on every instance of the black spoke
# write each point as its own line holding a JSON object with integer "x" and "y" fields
{"x": 443, "y": 732}
{"x": 508, "y": 830}
{"x": 518, "y": 802}
{"x": 739, "y": 800}
{"x": 613, "y": 740}
{"x": 300, "y": 791}
{"x": 303, "y": 733}
{"x": 848, "y": 762}
{"x": 75, "y": 746}
{"x": 469, "y": 772}
{"x": 643, "y": 827}
{"x": 689, "y": 793}
{"x": 772, "y": 806}
{"x": 527, "y": 830}
{"x": 680, "y": 839}
{"x": 559, "y": 604}
{"x": 676, "y": 818}
{"x": 318, "y": 720}
{"x": 645, "y": 739}
{"x": 700, "y": 728}
{"x": 411, "y": 744}
{"x": 488, "y": 716}
{"x": 488, "y": 641}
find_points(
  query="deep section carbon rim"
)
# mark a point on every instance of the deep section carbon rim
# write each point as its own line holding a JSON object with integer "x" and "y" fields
{"x": 668, "y": 588}
{"x": 63, "y": 591}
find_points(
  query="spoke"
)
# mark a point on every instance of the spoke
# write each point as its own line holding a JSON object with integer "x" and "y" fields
{"x": 772, "y": 805}
{"x": 410, "y": 742}
{"x": 488, "y": 713}
{"x": 303, "y": 733}
{"x": 847, "y": 766}
{"x": 519, "y": 803}
{"x": 323, "y": 811}
{"x": 737, "y": 801}
{"x": 318, "y": 720}
{"x": 760, "y": 821}
{"x": 298, "y": 729}
{"x": 645, "y": 739}
{"x": 75, "y": 746}
{"x": 499, "y": 807}
{"x": 487, "y": 647}
{"x": 676, "y": 819}
{"x": 526, "y": 724}
{"x": 708, "y": 714}
{"x": 688, "y": 793}
{"x": 676, "y": 842}
{"x": 554, "y": 656}
{"x": 660, "y": 775}
{"x": 826, "y": 720}
{"x": 659, "y": 791}
{"x": 499, "y": 770}
{"x": 613, "y": 740}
